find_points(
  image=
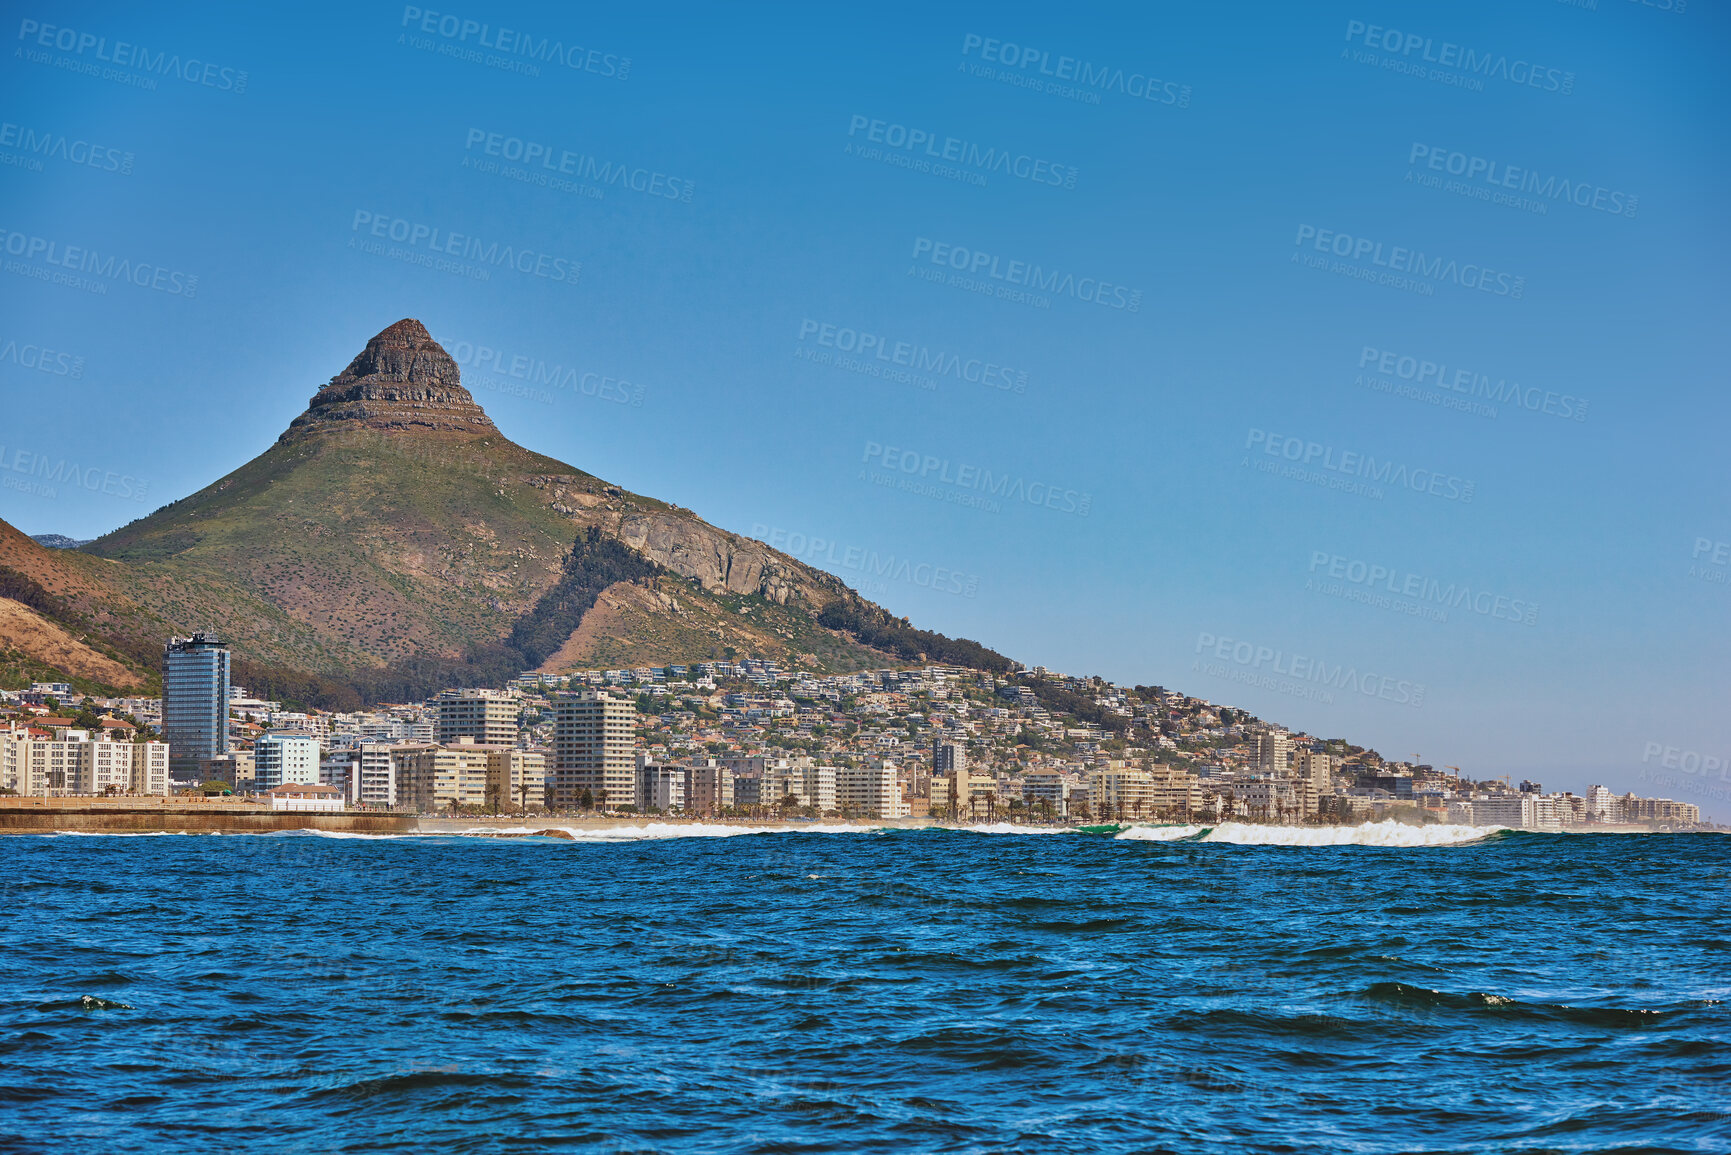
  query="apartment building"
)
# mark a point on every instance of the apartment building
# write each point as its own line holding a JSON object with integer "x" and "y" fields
{"x": 1271, "y": 751}
{"x": 485, "y": 717}
{"x": 1119, "y": 791}
{"x": 870, "y": 791}
{"x": 73, "y": 763}
{"x": 660, "y": 787}
{"x": 1047, "y": 792}
{"x": 709, "y": 788}
{"x": 594, "y": 750}
{"x": 285, "y": 760}
{"x": 1175, "y": 791}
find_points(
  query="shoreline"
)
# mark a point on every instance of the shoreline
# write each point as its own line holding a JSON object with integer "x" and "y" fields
{"x": 197, "y": 815}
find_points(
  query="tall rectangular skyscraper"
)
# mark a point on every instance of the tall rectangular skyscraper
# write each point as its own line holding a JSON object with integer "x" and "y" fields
{"x": 195, "y": 675}
{"x": 594, "y": 750}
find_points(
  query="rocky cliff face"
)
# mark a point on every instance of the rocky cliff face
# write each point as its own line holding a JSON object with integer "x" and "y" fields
{"x": 402, "y": 380}
{"x": 724, "y": 562}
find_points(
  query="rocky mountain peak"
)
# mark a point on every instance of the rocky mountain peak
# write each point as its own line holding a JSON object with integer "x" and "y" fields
{"x": 403, "y": 380}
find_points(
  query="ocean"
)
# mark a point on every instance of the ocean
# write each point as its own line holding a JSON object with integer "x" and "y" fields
{"x": 840, "y": 989}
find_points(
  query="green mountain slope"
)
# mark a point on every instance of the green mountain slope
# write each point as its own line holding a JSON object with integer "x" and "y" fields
{"x": 393, "y": 540}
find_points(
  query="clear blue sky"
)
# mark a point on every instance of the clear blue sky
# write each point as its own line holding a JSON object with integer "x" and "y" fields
{"x": 1191, "y": 160}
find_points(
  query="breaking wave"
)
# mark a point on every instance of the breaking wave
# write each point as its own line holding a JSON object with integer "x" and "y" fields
{"x": 1385, "y": 833}
{"x": 651, "y": 831}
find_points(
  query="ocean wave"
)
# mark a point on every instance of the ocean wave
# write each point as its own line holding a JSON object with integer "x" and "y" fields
{"x": 119, "y": 833}
{"x": 1385, "y": 833}
{"x": 1159, "y": 833}
{"x": 334, "y": 834}
{"x": 1007, "y": 828}
{"x": 1403, "y": 995}
{"x": 654, "y": 831}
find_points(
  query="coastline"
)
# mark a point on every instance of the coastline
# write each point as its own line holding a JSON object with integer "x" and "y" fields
{"x": 190, "y": 814}
{"x": 183, "y": 814}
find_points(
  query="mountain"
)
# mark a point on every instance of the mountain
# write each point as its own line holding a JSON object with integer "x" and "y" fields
{"x": 57, "y": 540}
{"x": 393, "y": 541}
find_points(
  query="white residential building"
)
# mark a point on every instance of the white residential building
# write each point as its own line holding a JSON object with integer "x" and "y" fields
{"x": 285, "y": 759}
{"x": 660, "y": 787}
{"x": 870, "y": 791}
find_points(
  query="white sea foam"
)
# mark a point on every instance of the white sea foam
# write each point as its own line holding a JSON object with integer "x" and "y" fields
{"x": 122, "y": 833}
{"x": 340, "y": 834}
{"x": 1008, "y": 828}
{"x": 1159, "y": 833}
{"x": 662, "y": 830}
{"x": 1386, "y": 833}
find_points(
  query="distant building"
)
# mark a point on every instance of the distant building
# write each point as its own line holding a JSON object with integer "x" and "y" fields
{"x": 486, "y": 717}
{"x": 1518, "y": 811}
{"x": 1316, "y": 768}
{"x": 375, "y": 780}
{"x": 660, "y": 787}
{"x": 303, "y": 796}
{"x": 1121, "y": 792}
{"x": 525, "y": 785}
{"x": 709, "y": 788}
{"x": 433, "y": 777}
{"x": 195, "y": 675}
{"x": 342, "y": 768}
{"x": 1046, "y": 792}
{"x": 285, "y": 760}
{"x": 819, "y": 788}
{"x": 1603, "y": 806}
{"x": 870, "y": 791}
{"x": 1660, "y": 811}
{"x": 236, "y": 768}
{"x": 594, "y": 750}
{"x": 1175, "y": 792}
{"x": 1271, "y": 751}
{"x": 72, "y": 763}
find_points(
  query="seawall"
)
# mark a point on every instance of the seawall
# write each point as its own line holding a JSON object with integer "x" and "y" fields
{"x": 147, "y": 815}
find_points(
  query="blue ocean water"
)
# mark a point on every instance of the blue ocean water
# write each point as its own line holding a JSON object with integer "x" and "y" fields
{"x": 901, "y": 991}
